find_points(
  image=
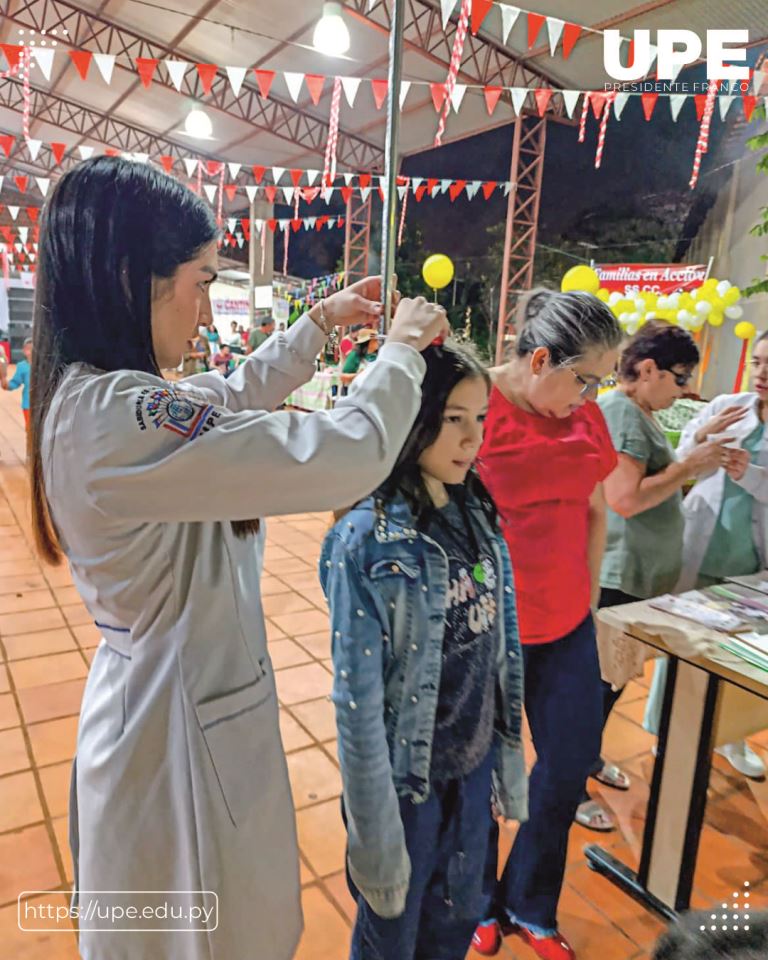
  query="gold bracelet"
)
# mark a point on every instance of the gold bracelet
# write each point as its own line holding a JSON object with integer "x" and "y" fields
{"x": 329, "y": 329}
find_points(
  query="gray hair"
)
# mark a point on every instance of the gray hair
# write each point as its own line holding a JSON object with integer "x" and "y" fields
{"x": 567, "y": 324}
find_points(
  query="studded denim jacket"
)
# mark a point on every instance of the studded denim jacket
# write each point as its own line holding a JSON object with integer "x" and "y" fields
{"x": 386, "y": 586}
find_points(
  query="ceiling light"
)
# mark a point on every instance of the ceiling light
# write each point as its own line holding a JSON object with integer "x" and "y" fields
{"x": 331, "y": 35}
{"x": 198, "y": 124}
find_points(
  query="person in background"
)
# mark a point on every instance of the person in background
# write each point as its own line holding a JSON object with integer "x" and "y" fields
{"x": 695, "y": 937}
{"x": 233, "y": 338}
{"x": 259, "y": 334}
{"x": 726, "y": 515}
{"x": 365, "y": 351}
{"x": 223, "y": 361}
{"x": 213, "y": 336}
{"x": 428, "y": 678}
{"x": 196, "y": 357}
{"x": 347, "y": 344}
{"x": 281, "y": 328}
{"x": 21, "y": 379}
{"x": 546, "y": 454}
{"x": 643, "y": 554}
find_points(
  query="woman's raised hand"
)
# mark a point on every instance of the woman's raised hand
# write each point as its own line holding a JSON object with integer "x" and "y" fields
{"x": 418, "y": 322}
{"x": 359, "y": 303}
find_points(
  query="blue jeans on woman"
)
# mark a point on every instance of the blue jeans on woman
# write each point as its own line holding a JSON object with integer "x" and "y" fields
{"x": 564, "y": 704}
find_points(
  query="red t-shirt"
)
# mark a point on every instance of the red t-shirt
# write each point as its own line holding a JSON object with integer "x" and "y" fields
{"x": 541, "y": 472}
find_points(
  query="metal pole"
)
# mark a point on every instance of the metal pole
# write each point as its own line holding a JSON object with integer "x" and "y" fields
{"x": 391, "y": 156}
{"x": 252, "y": 267}
{"x": 514, "y": 170}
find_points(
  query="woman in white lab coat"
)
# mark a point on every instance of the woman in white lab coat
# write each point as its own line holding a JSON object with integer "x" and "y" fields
{"x": 180, "y": 783}
{"x": 726, "y": 513}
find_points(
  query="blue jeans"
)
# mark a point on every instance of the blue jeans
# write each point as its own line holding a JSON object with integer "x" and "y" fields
{"x": 446, "y": 838}
{"x": 564, "y": 704}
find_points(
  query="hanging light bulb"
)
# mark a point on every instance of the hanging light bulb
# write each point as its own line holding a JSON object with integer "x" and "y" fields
{"x": 198, "y": 124}
{"x": 331, "y": 35}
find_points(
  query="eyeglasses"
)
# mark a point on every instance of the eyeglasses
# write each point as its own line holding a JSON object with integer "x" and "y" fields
{"x": 590, "y": 387}
{"x": 681, "y": 379}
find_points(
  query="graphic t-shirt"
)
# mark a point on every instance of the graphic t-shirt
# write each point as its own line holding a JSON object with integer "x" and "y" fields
{"x": 465, "y": 707}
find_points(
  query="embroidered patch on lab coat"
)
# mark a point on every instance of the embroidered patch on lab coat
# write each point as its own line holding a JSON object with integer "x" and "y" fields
{"x": 164, "y": 409}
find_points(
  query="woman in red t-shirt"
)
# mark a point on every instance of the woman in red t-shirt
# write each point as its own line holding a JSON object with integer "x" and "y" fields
{"x": 546, "y": 453}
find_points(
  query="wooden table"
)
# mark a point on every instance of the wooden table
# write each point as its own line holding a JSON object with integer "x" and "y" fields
{"x": 709, "y": 700}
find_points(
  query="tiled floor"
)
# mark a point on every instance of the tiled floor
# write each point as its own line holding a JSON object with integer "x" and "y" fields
{"x": 47, "y": 640}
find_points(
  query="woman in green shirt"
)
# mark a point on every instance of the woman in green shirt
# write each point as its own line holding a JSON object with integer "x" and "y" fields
{"x": 365, "y": 351}
{"x": 643, "y": 555}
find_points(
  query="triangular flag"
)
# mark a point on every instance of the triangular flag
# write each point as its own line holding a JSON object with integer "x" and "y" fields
{"x": 419, "y": 193}
{"x": 473, "y": 188}
{"x": 700, "y": 99}
{"x": 270, "y": 192}
{"x": 348, "y": 178}
{"x": 231, "y": 224}
{"x": 106, "y": 64}
{"x": 312, "y": 176}
{"x": 434, "y": 185}
{"x": 332, "y": 223}
{"x": 401, "y": 192}
{"x": 405, "y": 86}
{"x": 571, "y": 35}
{"x": 140, "y": 157}
{"x": 749, "y": 102}
{"x": 480, "y": 10}
{"x": 230, "y": 189}
{"x": 24, "y": 234}
{"x": 488, "y": 189}
{"x": 310, "y": 223}
{"x": 207, "y": 73}
{"x": 492, "y": 95}
{"x": 33, "y": 213}
{"x": 327, "y": 194}
{"x": 456, "y": 188}
{"x": 649, "y": 102}
{"x": 294, "y": 81}
{"x": 44, "y": 60}
{"x": 21, "y": 183}
{"x": 518, "y": 98}
{"x": 82, "y": 61}
{"x": 438, "y": 95}
{"x": 234, "y": 169}
{"x": 619, "y": 103}
{"x": 315, "y": 84}
{"x": 251, "y": 191}
{"x": 458, "y": 95}
{"x": 240, "y": 241}
{"x": 190, "y": 165}
{"x": 542, "y": 95}
{"x": 14, "y": 212}
{"x": 380, "y": 89}
{"x": 6, "y": 142}
{"x": 210, "y": 191}
{"x": 166, "y": 162}
{"x": 58, "y": 151}
{"x": 446, "y": 9}
{"x": 555, "y": 31}
{"x": 365, "y": 192}
{"x": 277, "y": 174}
{"x": 111, "y": 152}
{"x": 350, "y": 86}
{"x": 725, "y": 102}
{"x": 346, "y": 194}
{"x": 258, "y": 173}
{"x": 676, "y": 102}
{"x": 677, "y": 66}
{"x": 34, "y": 148}
{"x": 535, "y": 23}
{"x": 236, "y": 76}
{"x": 509, "y": 17}
{"x": 295, "y": 176}
{"x": 12, "y": 54}
{"x": 264, "y": 80}
{"x": 309, "y": 194}
{"x": 86, "y": 152}
{"x": 44, "y": 183}
{"x": 213, "y": 167}
{"x": 288, "y": 193}
{"x": 176, "y": 70}
{"x": 146, "y": 67}
{"x": 272, "y": 224}
{"x": 570, "y": 99}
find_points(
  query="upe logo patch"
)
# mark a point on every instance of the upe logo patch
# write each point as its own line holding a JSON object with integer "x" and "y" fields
{"x": 170, "y": 411}
{"x": 675, "y": 49}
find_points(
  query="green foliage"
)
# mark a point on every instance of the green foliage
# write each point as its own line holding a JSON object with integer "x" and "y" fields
{"x": 759, "y": 143}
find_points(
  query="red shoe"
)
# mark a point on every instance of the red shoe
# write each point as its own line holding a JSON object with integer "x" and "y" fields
{"x": 487, "y": 938}
{"x": 549, "y": 948}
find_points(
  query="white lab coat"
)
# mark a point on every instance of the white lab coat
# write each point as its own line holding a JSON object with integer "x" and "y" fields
{"x": 180, "y": 780}
{"x": 701, "y": 507}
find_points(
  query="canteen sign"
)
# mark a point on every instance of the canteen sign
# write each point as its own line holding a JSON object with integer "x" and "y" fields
{"x": 661, "y": 278}
{"x": 675, "y": 49}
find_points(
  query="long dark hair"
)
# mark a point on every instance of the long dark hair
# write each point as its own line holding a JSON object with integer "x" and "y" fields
{"x": 110, "y": 228}
{"x": 447, "y": 366}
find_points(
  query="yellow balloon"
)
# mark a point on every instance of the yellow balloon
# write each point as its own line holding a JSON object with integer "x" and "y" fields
{"x": 581, "y": 278}
{"x": 732, "y": 296}
{"x": 623, "y": 306}
{"x": 716, "y": 318}
{"x": 603, "y": 294}
{"x": 437, "y": 271}
{"x": 745, "y": 330}
{"x": 710, "y": 284}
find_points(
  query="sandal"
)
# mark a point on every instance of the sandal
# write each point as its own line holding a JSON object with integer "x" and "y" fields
{"x": 594, "y": 817}
{"x": 613, "y": 776}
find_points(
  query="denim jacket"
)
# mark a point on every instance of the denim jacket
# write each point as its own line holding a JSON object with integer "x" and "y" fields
{"x": 386, "y": 586}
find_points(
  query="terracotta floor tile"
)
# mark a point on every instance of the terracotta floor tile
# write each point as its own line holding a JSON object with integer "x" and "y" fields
{"x": 58, "y": 576}
{"x": 633, "y": 710}
{"x": 87, "y": 635}
{"x": 19, "y": 803}
{"x": 18, "y": 568}
{"x": 623, "y": 739}
{"x": 326, "y": 934}
{"x": 54, "y": 668}
{"x": 297, "y": 624}
{"x": 56, "y": 788}
{"x": 633, "y": 691}
{"x": 305, "y": 874}
{"x": 13, "y": 751}
{"x": 271, "y": 585}
{"x": 322, "y": 837}
{"x": 22, "y": 583}
{"x": 304, "y": 581}
{"x": 318, "y": 716}
{"x": 26, "y": 863}
{"x": 298, "y": 684}
{"x": 337, "y": 887}
{"x": 5, "y": 684}
{"x": 67, "y": 595}
{"x": 28, "y": 600}
{"x": 276, "y": 553}
{"x": 313, "y": 777}
{"x": 587, "y": 932}
{"x": 31, "y": 622}
{"x": 36, "y": 945}
{"x": 294, "y": 737}
{"x": 9, "y": 716}
{"x": 51, "y": 700}
{"x": 315, "y": 596}
{"x": 331, "y": 747}
{"x": 287, "y": 653}
{"x": 77, "y": 614}
{"x": 53, "y": 741}
{"x": 282, "y": 568}
{"x": 318, "y": 644}
{"x": 273, "y": 631}
{"x": 16, "y": 549}
{"x": 283, "y": 603}
{"x": 61, "y": 829}
{"x": 24, "y": 645}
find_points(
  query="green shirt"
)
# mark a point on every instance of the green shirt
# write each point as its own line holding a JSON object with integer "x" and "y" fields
{"x": 732, "y": 551}
{"x": 643, "y": 555}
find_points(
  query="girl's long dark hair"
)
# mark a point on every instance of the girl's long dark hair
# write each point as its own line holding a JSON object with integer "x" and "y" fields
{"x": 110, "y": 228}
{"x": 447, "y": 366}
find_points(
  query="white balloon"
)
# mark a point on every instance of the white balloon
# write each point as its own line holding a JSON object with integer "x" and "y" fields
{"x": 614, "y": 298}
{"x": 625, "y": 317}
{"x": 673, "y": 301}
{"x": 723, "y": 287}
{"x": 735, "y": 312}
{"x": 704, "y": 308}
{"x": 684, "y": 316}
{"x": 632, "y": 328}
{"x": 663, "y": 303}
{"x": 697, "y": 323}
{"x": 635, "y": 317}
{"x": 640, "y": 304}
{"x": 652, "y": 315}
